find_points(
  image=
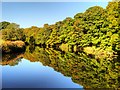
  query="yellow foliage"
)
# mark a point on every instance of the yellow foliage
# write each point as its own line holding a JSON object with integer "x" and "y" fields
{"x": 64, "y": 47}
{"x": 89, "y": 50}
{"x": 75, "y": 48}
{"x": 98, "y": 52}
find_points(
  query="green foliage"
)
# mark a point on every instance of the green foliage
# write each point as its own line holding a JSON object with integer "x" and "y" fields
{"x": 94, "y": 13}
{"x": 96, "y": 27}
{"x": 94, "y": 33}
{"x": 3, "y": 24}
{"x": 82, "y": 68}
{"x": 12, "y": 32}
{"x": 30, "y": 34}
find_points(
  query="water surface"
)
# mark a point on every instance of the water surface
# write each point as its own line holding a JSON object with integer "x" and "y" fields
{"x": 34, "y": 75}
{"x": 48, "y": 68}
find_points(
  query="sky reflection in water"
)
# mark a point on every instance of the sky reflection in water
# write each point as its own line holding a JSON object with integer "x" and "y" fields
{"x": 34, "y": 75}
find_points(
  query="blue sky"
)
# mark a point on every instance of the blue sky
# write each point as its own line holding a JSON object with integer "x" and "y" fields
{"x": 28, "y": 14}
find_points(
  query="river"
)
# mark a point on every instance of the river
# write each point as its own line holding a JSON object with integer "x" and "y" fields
{"x": 48, "y": 68}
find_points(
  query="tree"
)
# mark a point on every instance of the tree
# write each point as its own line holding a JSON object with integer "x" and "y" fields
{"x": 3, "y": 25}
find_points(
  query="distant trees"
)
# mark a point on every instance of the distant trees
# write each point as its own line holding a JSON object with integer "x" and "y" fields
{"x": 96, "y": 27}
{"x": 11, "y": 31}
{"x": 39, "y": 35}
{"x": 30, "y": 34}
{"x": 3, "y": 24}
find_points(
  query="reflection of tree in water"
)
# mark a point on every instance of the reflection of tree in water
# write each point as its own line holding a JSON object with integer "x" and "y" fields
{"x": 37, "y": 55}
{"x": 11, "y": 59}
{"x": 31, "y": 48}
{"x": 84, "y": 70}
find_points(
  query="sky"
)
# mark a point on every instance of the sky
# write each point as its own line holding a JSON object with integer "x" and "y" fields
{"x": 28, "y": 14}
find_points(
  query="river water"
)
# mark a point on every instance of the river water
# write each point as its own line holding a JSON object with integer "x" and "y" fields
{"x": 34, "y": 75}
{"x": 48, "y": 68}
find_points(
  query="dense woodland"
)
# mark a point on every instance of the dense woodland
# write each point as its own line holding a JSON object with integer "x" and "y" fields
{"x": 96, "y": 29}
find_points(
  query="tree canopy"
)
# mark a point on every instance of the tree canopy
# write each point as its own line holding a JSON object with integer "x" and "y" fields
{"x": 96, "y": 27}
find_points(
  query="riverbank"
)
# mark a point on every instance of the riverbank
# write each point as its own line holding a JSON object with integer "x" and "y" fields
{"x": 12, "y": 46}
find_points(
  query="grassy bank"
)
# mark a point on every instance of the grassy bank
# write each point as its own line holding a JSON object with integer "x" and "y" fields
{"x": 12, "y": 46}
